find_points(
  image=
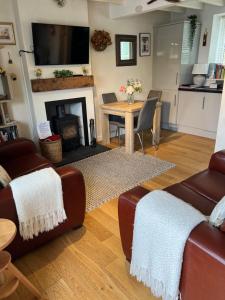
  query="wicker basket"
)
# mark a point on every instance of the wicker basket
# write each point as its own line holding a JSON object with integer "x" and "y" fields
{"x": 52, "y": 150}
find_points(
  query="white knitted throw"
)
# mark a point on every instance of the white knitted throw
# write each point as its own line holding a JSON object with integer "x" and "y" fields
{"x": 162, "y": 226}
{"x": 217, "y": 216}
{"x": 39, "y": 202}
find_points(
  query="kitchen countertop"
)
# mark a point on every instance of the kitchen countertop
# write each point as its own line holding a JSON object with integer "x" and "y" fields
{"x": 201, "y": 89}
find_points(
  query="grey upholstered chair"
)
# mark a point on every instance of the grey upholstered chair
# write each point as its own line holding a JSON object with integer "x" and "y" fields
{"x": 145, "y": 119}
{"x": 155, "y": 94}
{"x": 117, "y": 121}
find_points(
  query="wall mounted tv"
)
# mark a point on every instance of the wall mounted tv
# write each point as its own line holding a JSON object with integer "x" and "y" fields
{"x": 60, "y": 44}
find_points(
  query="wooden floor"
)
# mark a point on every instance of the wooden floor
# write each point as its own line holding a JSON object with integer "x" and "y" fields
{"x": 89, "y": 263}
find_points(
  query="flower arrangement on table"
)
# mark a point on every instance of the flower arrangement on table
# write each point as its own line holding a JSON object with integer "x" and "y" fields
{"x": 132, "y": 87}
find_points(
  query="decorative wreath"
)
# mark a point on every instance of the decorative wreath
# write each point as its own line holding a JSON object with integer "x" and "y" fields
{"x": 101, "y": 40}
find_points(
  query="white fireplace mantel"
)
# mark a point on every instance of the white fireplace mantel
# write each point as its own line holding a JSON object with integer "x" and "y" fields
{"x": 40, "y": 98}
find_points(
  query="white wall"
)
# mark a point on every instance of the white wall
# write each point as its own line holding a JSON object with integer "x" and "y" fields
{"x": 19, "y": 109}
{"x": 108, "y": 77}
{"x": 74, "y": 13}
{"x": 26, "y": 12}
{"x": 220, "y": 138}
{"x": 206, "y": 19}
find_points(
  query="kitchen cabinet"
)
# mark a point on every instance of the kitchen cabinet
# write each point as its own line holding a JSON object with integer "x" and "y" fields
{"x": 167, "y": 56}
{"x": 173, "y": 59}
{"x": 169, "y": 109}
{"x": 198, "y": 113}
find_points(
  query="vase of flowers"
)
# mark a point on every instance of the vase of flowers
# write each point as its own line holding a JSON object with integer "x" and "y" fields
{"x": 132, "y": 87}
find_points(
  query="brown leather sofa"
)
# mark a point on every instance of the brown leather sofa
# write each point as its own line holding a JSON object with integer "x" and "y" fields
{"x": 20, "y": 157}
{"x": 203, "y": 272}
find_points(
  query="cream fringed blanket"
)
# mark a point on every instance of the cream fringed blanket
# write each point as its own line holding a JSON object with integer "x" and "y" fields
{"x": 162, "y": 226}
{"x": 39, "y": 202}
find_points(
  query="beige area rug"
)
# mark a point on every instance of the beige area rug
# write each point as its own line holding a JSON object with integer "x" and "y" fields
{"x": 111, "y": 173}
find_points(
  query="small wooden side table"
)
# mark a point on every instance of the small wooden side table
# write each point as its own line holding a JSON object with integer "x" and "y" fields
{"x": 7, "y": 234}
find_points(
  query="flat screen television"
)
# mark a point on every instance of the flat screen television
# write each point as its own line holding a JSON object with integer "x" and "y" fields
{"x": 60, "y": 44}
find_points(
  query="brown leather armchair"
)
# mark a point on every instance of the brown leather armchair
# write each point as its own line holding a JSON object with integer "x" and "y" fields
{"x": 20, "y": 157}
{"x": 203, "y": 272}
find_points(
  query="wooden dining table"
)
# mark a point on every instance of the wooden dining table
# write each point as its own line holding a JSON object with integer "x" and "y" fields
{"x": 128, "y": 111}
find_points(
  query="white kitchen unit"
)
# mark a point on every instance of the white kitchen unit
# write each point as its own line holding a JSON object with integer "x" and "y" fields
{"x": 174, "y": 56}
{"x": 198, "y": 113}
{"x": 169, "y": 109}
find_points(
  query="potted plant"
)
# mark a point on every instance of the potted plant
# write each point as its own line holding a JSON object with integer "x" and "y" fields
{"x": 63, "y": 73}
{"x": 193, "y": 21}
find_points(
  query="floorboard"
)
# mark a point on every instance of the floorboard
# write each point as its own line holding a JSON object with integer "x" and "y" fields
{"x": 89, "y": 263}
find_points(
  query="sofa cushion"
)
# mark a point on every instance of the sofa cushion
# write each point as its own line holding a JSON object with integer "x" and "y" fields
{"x": 195, "y": 199}
{"x": 26, "y": 164}
{"x": 209, "y": 184}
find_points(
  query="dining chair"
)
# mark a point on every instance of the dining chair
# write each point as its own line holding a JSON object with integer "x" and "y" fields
{"x": 117, "y": 121}
{"x": 145, "y": 120}
{"x": 155, "y": 94}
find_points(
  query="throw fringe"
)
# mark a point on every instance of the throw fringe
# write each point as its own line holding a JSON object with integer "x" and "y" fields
{"x": 157, "y": 287}
{"x": 39, "y": 224}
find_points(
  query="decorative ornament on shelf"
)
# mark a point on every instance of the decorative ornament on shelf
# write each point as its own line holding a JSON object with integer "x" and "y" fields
{"x": 132, "y": 87}
{"x": 193, "y": 20}
{"x": 38, "y": 73}
{"x": 61, "y": 3}
{"x": 2, "y": 71}
{"x": 101, "y": 40}
{"x": 63, "y": 73}
{"x": 85, "y": 71}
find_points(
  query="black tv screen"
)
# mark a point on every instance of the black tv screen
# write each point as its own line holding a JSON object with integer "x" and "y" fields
{"x": 60, "y": 44}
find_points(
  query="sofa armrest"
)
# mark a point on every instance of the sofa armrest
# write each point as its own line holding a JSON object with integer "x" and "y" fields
{"x": 74, "y": 195}
{"x": 16, "y": 148}
{"x": 126, "y": 210}
{"x": 203, "y": 273}
{"x": 7, "y": 205}
{"x": 74, "y": 204}
{"x": 217, "y": 162}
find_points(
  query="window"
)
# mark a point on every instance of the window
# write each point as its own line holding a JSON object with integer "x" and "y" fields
{"x": 126, "y": 50}
{"x": 220, "y": 49}
{"x": 217, "y": 44}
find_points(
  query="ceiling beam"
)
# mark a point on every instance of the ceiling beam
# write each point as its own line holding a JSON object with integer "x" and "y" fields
{"x": 191, "y": 4}
{"x": 174, "y": 9}
{"x": 109, "y": 1}
{"x": 213, "y": 2}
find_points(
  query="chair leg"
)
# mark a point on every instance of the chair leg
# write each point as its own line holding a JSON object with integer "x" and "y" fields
{"x": 119, "y": 135}
{"x": 141, "y": 142}
{"x": 154, "y": 141}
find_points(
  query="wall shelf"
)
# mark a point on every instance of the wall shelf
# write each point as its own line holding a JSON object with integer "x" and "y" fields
{"x": 52, "y": 84}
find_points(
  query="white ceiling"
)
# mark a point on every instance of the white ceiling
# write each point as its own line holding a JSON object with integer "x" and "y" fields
{"x": 120, "y": 8}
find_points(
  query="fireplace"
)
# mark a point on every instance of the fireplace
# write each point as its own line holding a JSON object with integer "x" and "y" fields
{"x": 68, "y": 118}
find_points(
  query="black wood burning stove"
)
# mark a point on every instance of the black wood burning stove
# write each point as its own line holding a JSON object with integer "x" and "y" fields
{"x": 67, "y": 125}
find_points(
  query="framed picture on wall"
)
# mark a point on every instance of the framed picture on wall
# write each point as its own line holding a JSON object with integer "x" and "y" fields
{"x": 7, "y": 36}
{"x": 145, "y": 44}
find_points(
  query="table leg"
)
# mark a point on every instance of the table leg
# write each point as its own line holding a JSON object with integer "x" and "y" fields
{"x": 105, "y": 129}
{"x": 157, "y": 125}
{"x": 24, "y": 281}
{"x": 129, "y": 132}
